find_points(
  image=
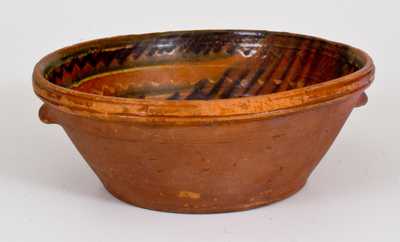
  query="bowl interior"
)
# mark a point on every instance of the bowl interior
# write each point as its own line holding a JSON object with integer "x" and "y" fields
{"x": 202, "y": 65}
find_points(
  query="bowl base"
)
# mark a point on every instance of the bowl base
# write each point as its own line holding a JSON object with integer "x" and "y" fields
{"x": 263, "y": 201}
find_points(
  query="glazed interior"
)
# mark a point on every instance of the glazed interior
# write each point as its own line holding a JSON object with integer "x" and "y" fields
{"x": 202, "y": 65}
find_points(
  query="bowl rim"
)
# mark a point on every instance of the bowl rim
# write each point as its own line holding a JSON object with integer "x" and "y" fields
{"x": 106, "y": 107}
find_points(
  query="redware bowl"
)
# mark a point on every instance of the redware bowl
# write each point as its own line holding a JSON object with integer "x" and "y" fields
{"x": 203, "y": 121}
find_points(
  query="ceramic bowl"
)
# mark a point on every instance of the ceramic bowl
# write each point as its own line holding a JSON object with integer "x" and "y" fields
{"x": 203, "y": 121}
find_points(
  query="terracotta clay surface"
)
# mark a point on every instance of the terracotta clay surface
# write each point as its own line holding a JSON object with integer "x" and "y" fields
{"x": 203, "y": 121}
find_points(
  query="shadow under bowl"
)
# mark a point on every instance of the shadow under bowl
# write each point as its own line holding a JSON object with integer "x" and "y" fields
{"x": 203, "y": 121}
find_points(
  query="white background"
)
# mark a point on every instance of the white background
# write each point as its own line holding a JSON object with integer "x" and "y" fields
{"x": 48, "y": 193}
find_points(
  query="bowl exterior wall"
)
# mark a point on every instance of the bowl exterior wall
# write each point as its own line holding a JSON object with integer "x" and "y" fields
{"x": 211, "y": 166}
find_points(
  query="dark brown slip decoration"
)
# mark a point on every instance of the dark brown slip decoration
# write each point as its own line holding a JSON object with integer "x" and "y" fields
{"x": 203, "y": 121}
